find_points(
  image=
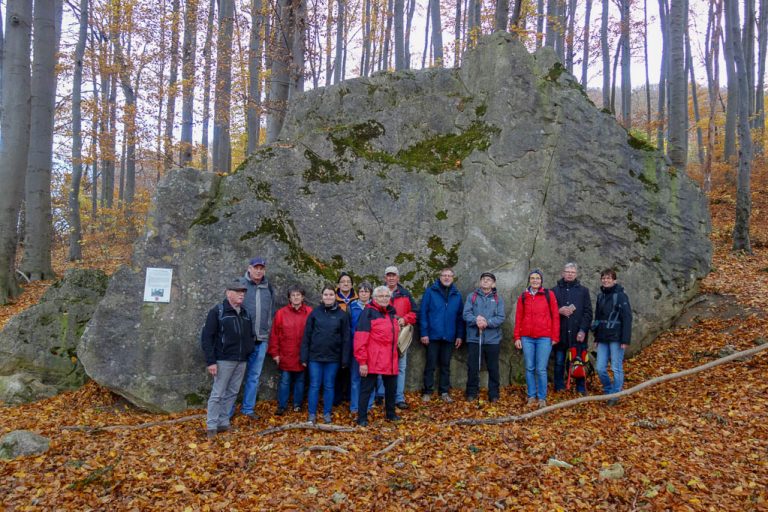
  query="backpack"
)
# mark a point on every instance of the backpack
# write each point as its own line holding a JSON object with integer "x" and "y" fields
{"x": 613, "y": 316}
{"x": 578, "y": 363}
{"x": 546, "y": 295}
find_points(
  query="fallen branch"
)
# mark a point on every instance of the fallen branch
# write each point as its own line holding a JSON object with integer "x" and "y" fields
{"x": 306, "y": 426}
{"x": 620, "y": 394}
{"x": 324, "y": 448}
{"x": 389, "y": 447}
{"x": 109, "y": 428}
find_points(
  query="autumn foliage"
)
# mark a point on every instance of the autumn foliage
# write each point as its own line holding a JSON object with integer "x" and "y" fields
{"x": 699, "y": 443}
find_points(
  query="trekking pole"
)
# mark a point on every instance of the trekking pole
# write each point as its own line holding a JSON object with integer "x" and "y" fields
{"x": 480, "y": 353}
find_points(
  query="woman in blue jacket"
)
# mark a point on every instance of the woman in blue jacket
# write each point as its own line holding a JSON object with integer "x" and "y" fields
{"x": 442, "y": 329}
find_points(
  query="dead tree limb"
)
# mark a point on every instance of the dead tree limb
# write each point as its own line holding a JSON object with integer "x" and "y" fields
{"x": 306, "y": 426}
{"x": 391, "y": 446}
{"x": 109, "y": 428}
{"x": 324, "y": 448}
{"x": 620, "y": 394}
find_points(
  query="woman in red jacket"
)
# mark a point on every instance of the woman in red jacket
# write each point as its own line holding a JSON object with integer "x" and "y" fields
{"x": 376, "y": 352}
{"x": 537, "y": 328}
{"x": 285, "y": 345}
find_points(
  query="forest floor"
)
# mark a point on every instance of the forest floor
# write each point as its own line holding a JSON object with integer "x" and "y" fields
{"x": 697, "y": 443}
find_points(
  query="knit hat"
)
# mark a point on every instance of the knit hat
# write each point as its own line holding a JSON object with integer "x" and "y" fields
{"x": 536, "y": 271}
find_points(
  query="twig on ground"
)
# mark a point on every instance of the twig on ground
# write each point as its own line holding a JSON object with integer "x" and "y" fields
{"x": 391, "y": 446}
{"x": 306, "y": 426}
{"x": 109, "y": 428}
{"x": 324, "y": 448}
{"x": 604, "y": 398}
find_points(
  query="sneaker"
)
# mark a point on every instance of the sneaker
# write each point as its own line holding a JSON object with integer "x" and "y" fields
{"x": 445, "y": 397}
{"x": 280, "y": 411}
{"x": 531, "y": 401}
{"x": 394, "y": 418}
{"x": 362, "y": 423}
{"x": 312, "y": 418}
{"x": 426, "y": 397}
{"x": 251, "y": 416}
{"x": 494, "y": 400}
{"x": 327, "y": 418}
{"x": 379, "y": 401}
{"x": 542, "y": 404}
{"x": 401, "y": 405}
{"x": 210, "y": 433}
{"x": 296, "y": 408}
{"x": 223, "y": 428}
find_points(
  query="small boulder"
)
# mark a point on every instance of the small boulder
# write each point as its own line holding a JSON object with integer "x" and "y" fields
{"x": 21, "y": 388}
{"x": 612, "y": 472}
{"x": 20, "y": 443}
{"x": 559, "y": 463}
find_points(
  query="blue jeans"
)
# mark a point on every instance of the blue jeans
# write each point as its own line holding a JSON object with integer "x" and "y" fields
{"x": 402, "y": 363}
{"x": 354, "y": 386}
{"x": 616, "y": 354}
{"x": 252, "y": 376}
{"x": 561, "y": 373}
{"x": 536, "y": 354}
{"x": 284, "y": 390}
{"x": 321, "y": 374}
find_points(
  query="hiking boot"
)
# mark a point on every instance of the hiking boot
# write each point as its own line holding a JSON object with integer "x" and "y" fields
{"x": 223, "y": 428}
{"x": 394, "y": 418}
{"x": 362, "y": 422}
{"x": 210, "y": 433}
{"x": 327, "y": 418}
{"x": 445, "y": 397}
{"x": 280, "y": 411}
{"x": 531, "y": 401}
{"x": 312, "y": 419}
{"x": 426, "y": 397}
{"x": 471, "y": 398}
{"x": 494, "y": 400}
{"x": 542, "y": 404}
{"x": 251, "y": 416}
{"x": 401, "y": 405}
{"x": 379, "y": 400}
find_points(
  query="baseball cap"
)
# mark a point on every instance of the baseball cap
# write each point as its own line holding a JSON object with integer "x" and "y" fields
{"x": 258, "y": 260}
{"x": 488, "y": 274}
{"x": 236, "y": 284}
{"x": 391, "y": 270}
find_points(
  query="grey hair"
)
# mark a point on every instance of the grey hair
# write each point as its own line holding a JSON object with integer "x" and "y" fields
{"x": 572, "y": 265}
{"x": 380, "y": 290}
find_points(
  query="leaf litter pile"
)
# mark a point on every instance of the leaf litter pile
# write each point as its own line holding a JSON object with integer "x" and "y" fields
{"x": 696, "y": 443}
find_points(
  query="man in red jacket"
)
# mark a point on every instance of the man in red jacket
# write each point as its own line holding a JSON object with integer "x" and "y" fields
{"x": 405, "y": 309}
{"x": 285, "y": 346}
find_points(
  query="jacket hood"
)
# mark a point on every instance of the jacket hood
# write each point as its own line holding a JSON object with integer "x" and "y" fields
{"x": 481, "y": 293}
{"x": 565, "y": 284}
{"x": 617, "y": 288}
{"x": 247, "y": 277}
{"x": 438, "y": 286}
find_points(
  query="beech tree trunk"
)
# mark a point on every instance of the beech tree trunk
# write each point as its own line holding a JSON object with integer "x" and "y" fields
{"x": 15, "y": 136}
{"x": 731, "y": 106}
{"x": 712, "y": 66}
{"x": 222, "y": 151}
{"x": 678, "y": 87}
{"x": 762, "y": 43}
{"x": 399, "y": 35}
{"x": 298, "y": 47}
{"x": 207, "y": 65}
{"x": 188, "y": 54}
{"x": 501, "y": 15}
{"x": 662, "y": 104}
{"x": 606, "y": 54}
{"x": 551, "y": 36}
{"x": 585, "y": 54}
{"x": 75, "y": 225}
{"x": 647, "y": 78}
{"x": 626, "y": 61}
{"x": 694, "y": 98}
{"x": 280, "y": 79}
{"x": 36, "y": 262}
{"x": 570, "y": 36}
{"x": 741, "y": 239}
{"x": 254, "y": 76}
{"x": 437, "y": 34}
{"x": 341, "y": 16}
{"x": 408, "y": 23}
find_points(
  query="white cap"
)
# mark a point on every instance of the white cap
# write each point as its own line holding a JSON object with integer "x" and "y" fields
{"x": 391, "y": 270}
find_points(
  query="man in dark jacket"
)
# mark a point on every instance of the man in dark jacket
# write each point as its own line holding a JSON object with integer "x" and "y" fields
{"x": 575, "y": 319}
{"x": 227, "y": 341}
{"x": 613, "y": 332}
{"x": 442, "y": 328}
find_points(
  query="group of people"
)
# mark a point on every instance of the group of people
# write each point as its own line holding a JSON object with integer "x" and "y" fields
{"x": 351, "y": 346}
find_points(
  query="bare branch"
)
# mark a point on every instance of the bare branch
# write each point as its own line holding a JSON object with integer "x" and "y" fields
{"x": 306, "y": 426}
{"x": 391, "y": 446}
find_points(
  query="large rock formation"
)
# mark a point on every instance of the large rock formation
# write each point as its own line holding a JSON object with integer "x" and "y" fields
{"x": 501, "y": 165}
{"x": 38, "y": 346}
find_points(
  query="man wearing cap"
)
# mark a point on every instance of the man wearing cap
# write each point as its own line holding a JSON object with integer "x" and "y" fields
{"x": 259, "y": 302}
{"x": 484, "y": 315}
{"x": 405, "y": 310}
{"x": 227, "y": 342}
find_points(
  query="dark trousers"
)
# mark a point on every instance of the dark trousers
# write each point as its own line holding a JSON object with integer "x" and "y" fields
{"x": 367, "y": 386}
{"x": 439, "y": 352}
{"x": 491, "y": 355}
{"x": 341, "y": 394}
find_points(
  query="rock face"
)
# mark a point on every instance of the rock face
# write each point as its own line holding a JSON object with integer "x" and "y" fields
{"x": 38, "y": 346}
{"x": 502, "y": 165}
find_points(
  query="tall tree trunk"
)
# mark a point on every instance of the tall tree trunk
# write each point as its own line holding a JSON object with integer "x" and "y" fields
{"x": 741, "y": 241}
{"x": 15, "y": 136}
{"x": 222, "y": 150}
{"x": 254, "y": 76}
{"x": 606, "y": 53}
{"x": 518, "y": 20}
{"x": 748, "y": 47}
{"x": 75, "y": 225}
{"x": 437, "y": 34}
{"x": 399, "y": 35}
{"x": 732, "y": 103}
{"x": 648, "y": 133}
{"x": 2, "y": 55}
{"x": 170, "y": 111}
{"x": 694, "y": 97}
{"x": 188, "y": 53}
{"x": 278, "y": 90}
{"x": 457, "y": 35}
{"x": 329, "y": 67}
{"x": 501, "y": 15}
{"x": 163, "y": 53}
{"x": 626, "y": 62}
{"x": 585, "y": 54}
{"x": 207, "y": 65}
{"x": 129, "y": 120}
{"x": 408, "y": 23}
{"x": 299, "y": 30}
{"x": 341, "y": 17}
{"x": 663, "y": 74}
{"x": 386, "y": 56}
{"x": 711, "y": 60}
{"x": 619, "y": 48}
{"x": 36, "y": 263}
{"x": 93, "y": 152}
{"x": 570, "y": 37}
{"x": 762, "y": 43}
{"x": 550, "y": 39}
{"x": 426, "y": 35}
{"x": 365, "y": 59}
{"x": 678, "y": 87}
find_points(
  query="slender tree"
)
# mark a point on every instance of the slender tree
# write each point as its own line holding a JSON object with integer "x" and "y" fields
{"x": 207, "y": 65}
{"x": 188, "y": 51}
{"x": 732, "y": 101}
{"x": 694, "y": 97}
{"x": 341, "y": 16}
{"x": 606, "y": 54}
{"x": 626, "y": 61}
{"x": 255, "y": 46}
{"x": 762, "y": 44}
{"x": 222, "y": 151}
{"x": 570, "y": 38}
{"x": 711, "y": 64}
{"x": 662, "y": 103}
{"x": 678, "y": 97}
{"x": 741, "y": 239}
{"x": 298, "y": 16}
{"x": 407, "y": 39}
{"x": 15, "y": 136}
{"x": 173, "y": 86}
{"x": 75, "y": 225}
{"x": 647, "y": 78}
{"x": 585, "y": 55}
{"x": 437, "y": 34}
{"x": 501, "y": 15}
{"x": 280, "y": 77}
{"x": 36, "y": 263}
{"x": 399, "y": 20}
